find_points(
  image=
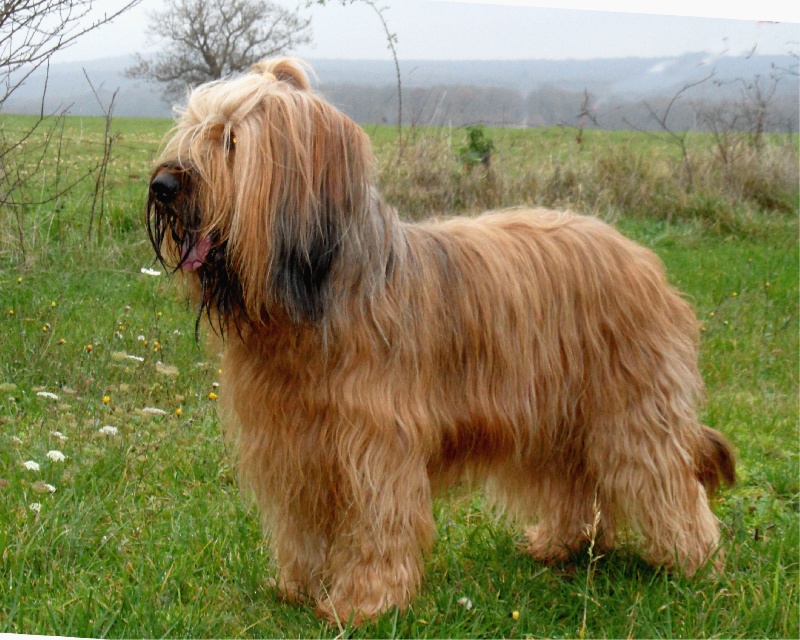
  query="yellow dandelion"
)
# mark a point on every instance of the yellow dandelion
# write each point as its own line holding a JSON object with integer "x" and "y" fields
{"x": 711, "y": 315}
{"x": 212, "y": 396}
{"x": 122, "y": 327}
{"x": 178, "y": 412}
{"x": 734, "y": 294}
{"x": 106, "y": 399}
{"x": 61, "y": 341}
{"x": 158, "y": 315}
{"x": 10, "y": 312}
{"x": 515, "y": 614}
{"x": 19, "y": 280}
{"x": 53, "y": 303}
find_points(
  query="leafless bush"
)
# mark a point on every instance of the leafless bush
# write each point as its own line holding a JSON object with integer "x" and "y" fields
{"x": 32, "y": 174}
{"x": 32, "y": 31}
{"x": 203, "y": 41}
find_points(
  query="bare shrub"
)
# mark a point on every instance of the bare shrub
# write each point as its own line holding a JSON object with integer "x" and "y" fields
{"x": 34, "y": 174}
{"x": 641, "y": 178}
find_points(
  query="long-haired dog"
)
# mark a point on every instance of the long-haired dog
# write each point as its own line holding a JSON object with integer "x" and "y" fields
{"x": 368, "y": 362}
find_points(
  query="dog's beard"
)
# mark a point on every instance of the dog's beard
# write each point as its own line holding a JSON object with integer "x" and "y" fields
{"x": 220, "y": 292}
{"x": 179, "y": 246}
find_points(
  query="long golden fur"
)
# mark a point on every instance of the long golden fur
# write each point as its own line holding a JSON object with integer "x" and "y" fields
{"x": 368, "y": 362}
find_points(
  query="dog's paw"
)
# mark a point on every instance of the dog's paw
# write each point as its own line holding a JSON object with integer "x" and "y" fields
{"x": 293, "y": 593}
{"x": 540, "y": 544}
{"x": 342, "y": 614}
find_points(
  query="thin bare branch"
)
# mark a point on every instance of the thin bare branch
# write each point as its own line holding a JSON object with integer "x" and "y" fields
{"x": 205, "y": 40}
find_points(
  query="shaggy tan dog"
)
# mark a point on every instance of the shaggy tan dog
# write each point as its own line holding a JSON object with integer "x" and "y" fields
{"x": 368, "y": 362}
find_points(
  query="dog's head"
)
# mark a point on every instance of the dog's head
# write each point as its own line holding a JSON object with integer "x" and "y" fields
{"x": 254, "y": 192}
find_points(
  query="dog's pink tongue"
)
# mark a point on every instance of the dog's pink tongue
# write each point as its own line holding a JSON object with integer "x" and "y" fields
{"x": 196, "y": 256}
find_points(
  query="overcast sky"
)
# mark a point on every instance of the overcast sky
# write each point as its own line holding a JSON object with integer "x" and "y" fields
{"x": 507, "y": 29}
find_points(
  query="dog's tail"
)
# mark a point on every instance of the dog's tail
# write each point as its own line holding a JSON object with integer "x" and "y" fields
{"x": 716, "y": 460}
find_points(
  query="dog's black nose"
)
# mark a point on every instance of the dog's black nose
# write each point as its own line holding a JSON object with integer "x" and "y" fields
{"x": 165, "y": 187}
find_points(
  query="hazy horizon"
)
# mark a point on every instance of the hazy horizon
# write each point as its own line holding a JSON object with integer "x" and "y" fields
{"x": 496, "y": 30}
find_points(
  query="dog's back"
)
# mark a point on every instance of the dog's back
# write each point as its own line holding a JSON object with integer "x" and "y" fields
{"x": 542, "y": 314}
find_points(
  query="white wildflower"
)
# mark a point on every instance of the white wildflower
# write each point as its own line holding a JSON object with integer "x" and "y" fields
{"x": 107, "y": 430}
{"x": 36, "y": 507}
{"x": 30, "y": 465}
{"x": 137, "y": 358}
{"x": 56, "y": 456}
{"x": 150, "y": 272}
{"x": 47, "y": 394}
{"x": 153, "y": 411}
{"x": 59, "y": 435}
{"x": 40, "y": 487}
{"x": 141, "y": 338}
{"x": 466, "y": 603}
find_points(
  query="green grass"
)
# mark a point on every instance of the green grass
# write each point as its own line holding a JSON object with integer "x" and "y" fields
{"x": 146, "y": 534}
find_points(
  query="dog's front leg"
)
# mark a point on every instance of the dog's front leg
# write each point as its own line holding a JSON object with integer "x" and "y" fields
{"x": 385, "y": 525}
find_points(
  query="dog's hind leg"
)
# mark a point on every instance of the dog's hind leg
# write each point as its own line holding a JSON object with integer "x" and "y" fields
{"x": 689, "y": 537}
{"x": 650, "y": 482}
{"x": 569, "y": 516}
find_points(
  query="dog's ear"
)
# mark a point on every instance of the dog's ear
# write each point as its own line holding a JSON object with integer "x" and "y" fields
{"x": 309, "y": 243}
{"x": 302, "y": 171}
{"x": 303, "y": 265}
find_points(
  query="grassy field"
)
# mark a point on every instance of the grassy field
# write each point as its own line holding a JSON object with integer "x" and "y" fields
{"x": 130, "y": 524}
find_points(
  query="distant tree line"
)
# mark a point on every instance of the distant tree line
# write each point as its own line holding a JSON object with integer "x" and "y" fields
{"x": 552, "y": 106}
